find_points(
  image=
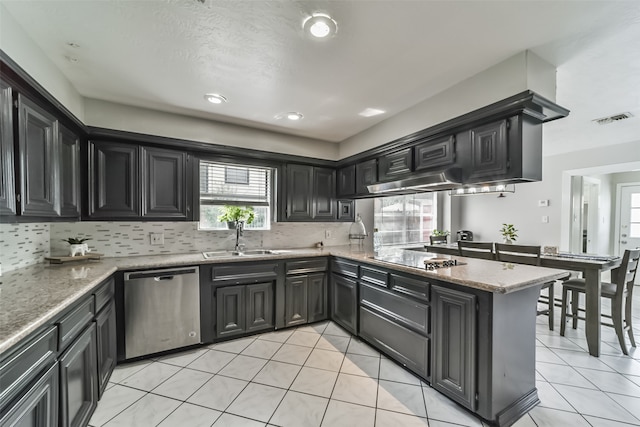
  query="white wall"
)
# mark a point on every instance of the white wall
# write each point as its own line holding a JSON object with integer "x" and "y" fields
{"x": 134, "y": 119}
{"x": 19, "y": 46}
{"x": 484, "y": 214}
{"x": 514, "y": 75}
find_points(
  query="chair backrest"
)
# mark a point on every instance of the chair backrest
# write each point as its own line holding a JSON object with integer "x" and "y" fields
{"x": 518, "y": 254}
{"x": 437, "y": 239}
{"x": 625, "y": 275}
{"x": 482, "y": 250}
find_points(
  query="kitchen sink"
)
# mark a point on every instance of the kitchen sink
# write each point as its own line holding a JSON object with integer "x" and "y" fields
{"x": 250, "y": 252}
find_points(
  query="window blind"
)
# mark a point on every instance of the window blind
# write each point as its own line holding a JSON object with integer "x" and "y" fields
{"x": 231, "y": 184}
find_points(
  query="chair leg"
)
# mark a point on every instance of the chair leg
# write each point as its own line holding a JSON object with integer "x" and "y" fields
{"x": 616, "y": 315}
{"x": 629, "y": 325}
{"x": 563, "y": 311}
{"x": 551, "y": 307}
{"x": 575, "y": 299}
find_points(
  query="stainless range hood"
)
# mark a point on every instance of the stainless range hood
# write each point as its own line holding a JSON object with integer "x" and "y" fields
{"x": 446, "y": 179}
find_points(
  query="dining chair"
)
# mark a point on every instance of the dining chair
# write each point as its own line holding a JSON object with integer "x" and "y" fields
{"x": 619, "y": 291}
{"x": 482, "y": 250}
{"x": 437, "y": 239}
{"x": 530, "y": 255}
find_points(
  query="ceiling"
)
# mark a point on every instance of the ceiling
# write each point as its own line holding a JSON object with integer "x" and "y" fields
{"x": 388, "y": 55}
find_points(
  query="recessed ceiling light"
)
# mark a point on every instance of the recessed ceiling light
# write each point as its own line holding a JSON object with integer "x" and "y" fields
{"x": 368, "y": 112}
{"x": 215, "y": 98}
{"x": 320, "y": 25}
{"x": 294, "y": 115}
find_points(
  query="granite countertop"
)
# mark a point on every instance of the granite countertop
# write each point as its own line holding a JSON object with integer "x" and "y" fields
{"x": 31, "y": 296}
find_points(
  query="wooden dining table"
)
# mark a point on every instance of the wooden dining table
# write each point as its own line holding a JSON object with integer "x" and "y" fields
{"x": 591, "y": 266}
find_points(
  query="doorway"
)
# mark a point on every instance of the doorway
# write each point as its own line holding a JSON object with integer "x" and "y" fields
{"x": 627, "y": 217}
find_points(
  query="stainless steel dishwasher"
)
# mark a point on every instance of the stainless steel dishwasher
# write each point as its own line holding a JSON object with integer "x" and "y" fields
{"x": 161, "y": 310}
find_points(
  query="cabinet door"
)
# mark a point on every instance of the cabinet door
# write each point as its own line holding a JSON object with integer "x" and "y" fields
{"x": 79, "y": 380}
{"x": 230, "y": 313}
{"x": 436, "y": 153}
{"x": 489, "y": 152}
{"x": 113, "y": 187}
{"x": 453, "y": 371}
{"x": 106, "y": 345}
{"x": 69, "y": 172}
{"x": 347, "y": 181}
{"x": 317, "y": 297}
{"x": 39, "y": 406}
{"x": 164, "y": 183}
{"x": 324, "y": 194}
{"x": 344, "y": 302}
{"x": 7, "y": 183}
{"x": 366, "y": 174}
{"x": 395, "y": 165}
{"x": 295, "y": 300}
{"x": 36, "y": 135}
{"x": 299, "y": 186}
{"x": 259, "y": 306}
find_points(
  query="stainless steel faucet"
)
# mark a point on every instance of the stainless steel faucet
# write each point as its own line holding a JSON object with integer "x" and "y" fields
{"x": 239, "y": 232}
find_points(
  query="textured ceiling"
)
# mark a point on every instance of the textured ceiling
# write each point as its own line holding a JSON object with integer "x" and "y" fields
{"x": 390, "y": 55}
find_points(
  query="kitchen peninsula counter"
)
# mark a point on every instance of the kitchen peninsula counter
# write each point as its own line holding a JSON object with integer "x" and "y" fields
{"x": 31, "y": 296}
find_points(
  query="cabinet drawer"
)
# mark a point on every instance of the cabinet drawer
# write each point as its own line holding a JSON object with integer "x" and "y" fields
{"x": 245, "y": 272}
{"x": 403, "y": 345}
{"x": 400, "y": 309}
{"x": 26, "y": 363}
{"x": 74, "y": 322}
{"x": 306, "y": 266}
{"x": 104, "y": 294}
{"x": 374, "y": 276}
{"x": 344, "y": 268}
{"x": 410, "y": 286}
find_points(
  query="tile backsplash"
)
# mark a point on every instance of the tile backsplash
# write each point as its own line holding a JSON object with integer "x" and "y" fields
{"x": 114, "y": 239}
{"x": 23, "y": 244}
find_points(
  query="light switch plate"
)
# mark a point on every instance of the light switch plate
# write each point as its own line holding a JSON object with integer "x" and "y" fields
{"x": 545, "y": 218}
{"x": 156, "y": 238}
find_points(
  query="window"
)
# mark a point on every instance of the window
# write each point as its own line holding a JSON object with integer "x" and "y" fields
{"x": 229, "y": 184}
{"x": 405, "y": 219}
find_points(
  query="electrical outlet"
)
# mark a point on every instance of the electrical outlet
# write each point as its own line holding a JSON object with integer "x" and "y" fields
{"x": 543, "y": 203}
{"x": 156, "y": 238}
{"x": 328, "y": 234}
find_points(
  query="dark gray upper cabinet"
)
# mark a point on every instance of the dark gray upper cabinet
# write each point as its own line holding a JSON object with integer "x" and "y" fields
{"x": 299, "y": 188}
{"x": 366, "y": 174}
{"x": 164, "y": 183}
{"x": 7, "y": 183}
{"x": 435, "y": 153}
{"x": 69, "y": 172}
{"x": 347, "y": 181}
{"x": 38, "y": 160}
{"x": 113, "y": 180}
{"x": 310, "y": 193}
{"x": 324, "y": 190}
{"x": 453, "y": 335}
{"x": 489, "y": 151}
{"x": 395, "y": 165}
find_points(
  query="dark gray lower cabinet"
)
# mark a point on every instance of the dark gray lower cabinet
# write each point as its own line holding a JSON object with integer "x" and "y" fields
{"x": 79, "y": 380}
{"x": 296, "y": 297}
{"x": 344, "y": 302}
{"x": 244, "y": 308}
{"x": 106, "y": 345}
{"x": 317, "y": 307}
{"x": 39, "y": 406}
{"x": 454, "y": 345}
{"x": 404, "y": 345}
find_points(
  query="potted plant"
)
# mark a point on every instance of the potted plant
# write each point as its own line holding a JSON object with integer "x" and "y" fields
{"x": 508, "y": 233}
{"x": 77, "y": 245}
{"x": 232, "y": 214}
{"x": 440, "y": 233}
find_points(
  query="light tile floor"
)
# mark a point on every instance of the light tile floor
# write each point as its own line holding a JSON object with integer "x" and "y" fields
{"x": 319, "y": 375}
